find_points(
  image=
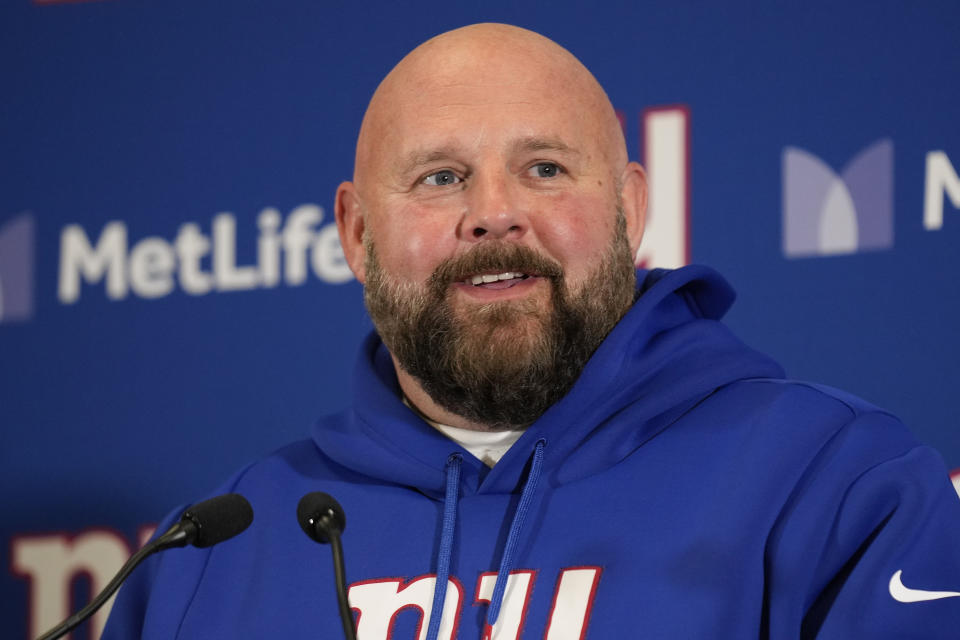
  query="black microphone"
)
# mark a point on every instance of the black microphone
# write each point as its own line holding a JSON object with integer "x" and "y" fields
{"x": 211, "y": 522}
{"x": 202, "y": 525}
{"x": 322, "y": 519}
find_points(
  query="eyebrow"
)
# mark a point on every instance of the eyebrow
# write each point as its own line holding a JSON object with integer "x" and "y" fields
{"x": 543, "y": 144}
{"x": 420, "y": 157}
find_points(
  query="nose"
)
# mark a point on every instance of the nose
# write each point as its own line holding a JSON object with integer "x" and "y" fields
{"x": 493, "y": 209}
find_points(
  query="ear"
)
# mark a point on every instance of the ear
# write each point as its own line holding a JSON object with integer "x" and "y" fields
{"x": 351, "y": 225}
{"x": 633, "y": 195}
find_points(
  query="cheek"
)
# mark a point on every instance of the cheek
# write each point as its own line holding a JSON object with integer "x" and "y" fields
{"x": 412, "y": 242}
{"x": 577, "y": 231}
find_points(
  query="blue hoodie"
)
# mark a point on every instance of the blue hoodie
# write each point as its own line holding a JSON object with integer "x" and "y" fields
{"x": 681, "y": 489}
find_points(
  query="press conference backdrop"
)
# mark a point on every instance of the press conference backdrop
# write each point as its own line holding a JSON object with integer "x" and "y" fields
{"x": 173, "y": 298}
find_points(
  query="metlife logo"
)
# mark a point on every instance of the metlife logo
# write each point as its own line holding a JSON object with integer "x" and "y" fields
{"x": 17, "y": 269}
{"x": 288, "y": 250}
{"x": 198, "y": 263}
{"x": 825, "y": 214}
{"x": 829, "y": 214}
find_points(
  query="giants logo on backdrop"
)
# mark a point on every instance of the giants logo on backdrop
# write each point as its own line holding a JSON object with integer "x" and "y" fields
{"x": 54, "y": 563}
{"x": 16, "y": 268}
{"x": 666, "y": 156}
{"x": 828, "y": 214}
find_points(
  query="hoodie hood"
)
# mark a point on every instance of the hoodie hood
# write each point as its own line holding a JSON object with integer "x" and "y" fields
{"x": 666, "y": 354}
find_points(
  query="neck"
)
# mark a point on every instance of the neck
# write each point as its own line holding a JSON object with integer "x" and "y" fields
{"x": 424, "y": 404}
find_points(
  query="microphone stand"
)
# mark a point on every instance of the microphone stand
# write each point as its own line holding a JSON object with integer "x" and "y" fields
{"x": 203, "y": 525}
{"x": 339, "y": 572}
{"x": 177, "y": 536}
{"x": 321, "y": 517}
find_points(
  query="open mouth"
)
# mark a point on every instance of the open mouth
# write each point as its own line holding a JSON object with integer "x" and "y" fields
{"x": 497, "y": 280}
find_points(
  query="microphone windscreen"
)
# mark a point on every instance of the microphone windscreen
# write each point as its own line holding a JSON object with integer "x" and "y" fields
{"x": 317, "y": 513}
{"x": 219, "y": 518}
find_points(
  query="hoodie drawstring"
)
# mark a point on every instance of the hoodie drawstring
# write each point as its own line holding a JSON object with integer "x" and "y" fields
{"x": 446, "y": 544}
{"x": 445, "y": 552}
{"x": 513, "y": 539}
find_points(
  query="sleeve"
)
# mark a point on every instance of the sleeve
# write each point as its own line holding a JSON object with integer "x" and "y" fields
{"x": 869, "y": 544}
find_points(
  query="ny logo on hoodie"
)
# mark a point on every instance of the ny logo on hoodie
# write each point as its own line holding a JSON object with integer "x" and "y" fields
{"x": 378, "y": 602}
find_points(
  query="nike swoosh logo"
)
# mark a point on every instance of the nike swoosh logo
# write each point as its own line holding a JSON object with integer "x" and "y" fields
{"x": 901, "y": 593}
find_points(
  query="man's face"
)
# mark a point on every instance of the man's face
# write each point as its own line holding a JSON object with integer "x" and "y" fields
{"x": 489, "y": 195}
{"x": 500, "y": 364}
{"x": 479, "y": 163}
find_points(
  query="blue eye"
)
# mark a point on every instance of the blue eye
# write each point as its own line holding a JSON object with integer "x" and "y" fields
{"x": 545, "y": 170}
{"x": 441, "y": 178}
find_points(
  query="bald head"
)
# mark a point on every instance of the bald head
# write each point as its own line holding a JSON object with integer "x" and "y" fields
{"x": 492, "y": 210}
{"x": 483, "y": 66}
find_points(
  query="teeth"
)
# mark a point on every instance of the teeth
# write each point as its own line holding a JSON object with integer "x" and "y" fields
{"x": 475, "y": 280}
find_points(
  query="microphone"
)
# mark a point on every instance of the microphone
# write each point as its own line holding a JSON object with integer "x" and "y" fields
{"x": 211, "y": 522}
{"x": 321, "y": 517}
{"x": 202, "y": 525}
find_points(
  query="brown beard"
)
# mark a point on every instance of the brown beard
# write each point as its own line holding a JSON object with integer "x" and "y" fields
{"x": 501, "y": 364}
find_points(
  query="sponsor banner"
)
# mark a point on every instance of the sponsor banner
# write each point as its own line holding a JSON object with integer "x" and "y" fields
{"x": 174, "y": 301}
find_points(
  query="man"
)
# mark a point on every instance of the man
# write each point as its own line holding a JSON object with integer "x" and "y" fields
{"x": 542, "y": 445}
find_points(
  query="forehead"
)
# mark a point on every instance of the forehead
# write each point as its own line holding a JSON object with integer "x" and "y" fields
{"x": 436, "y": 117}
{"x": 483, "y": 94}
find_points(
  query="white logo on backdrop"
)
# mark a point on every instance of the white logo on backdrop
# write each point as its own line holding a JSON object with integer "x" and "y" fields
{"x": 198, "y": 263}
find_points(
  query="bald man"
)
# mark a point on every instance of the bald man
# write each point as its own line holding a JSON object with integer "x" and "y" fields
{"x": 545, "y": 442}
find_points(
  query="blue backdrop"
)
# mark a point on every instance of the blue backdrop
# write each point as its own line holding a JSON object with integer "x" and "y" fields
{"x": 172, "y": 300}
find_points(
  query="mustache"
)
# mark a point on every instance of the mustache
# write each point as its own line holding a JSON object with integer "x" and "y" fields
{"x": 493, "y": 258}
